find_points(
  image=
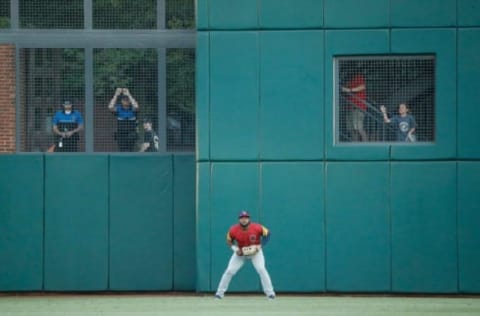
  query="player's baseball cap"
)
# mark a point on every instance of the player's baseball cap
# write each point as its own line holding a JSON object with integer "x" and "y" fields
{"x": 67, "y": 103}
{"x": 243, "y": 214}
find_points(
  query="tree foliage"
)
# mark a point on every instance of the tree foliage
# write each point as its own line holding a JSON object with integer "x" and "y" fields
{"x": 181, "y": 79}
{"x": 73, "y": 74}
{"x": 4, "y": 22}
{"x": 180, "y": 14}
{"x": 51, "y": 14}
{"x": 135, "y": 69}
{"x": 4, "y": 14}
{"x": 124, "y": 14}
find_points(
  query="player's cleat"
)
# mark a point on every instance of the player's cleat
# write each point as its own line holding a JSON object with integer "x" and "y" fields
{"x": 218, "y": 297}
{"x": 271, "y": 297}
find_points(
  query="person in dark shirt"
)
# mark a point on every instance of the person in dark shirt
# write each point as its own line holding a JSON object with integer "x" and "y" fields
{"x": 150, "y": 138}
{"x": 126, "y": 112}
{"x": 67, "y": 123}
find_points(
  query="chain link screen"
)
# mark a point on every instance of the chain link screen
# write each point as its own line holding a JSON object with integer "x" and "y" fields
{"x": 158, "y": 81}
{"x": 180, "y": 99}
{"x": 50, "y": 77}
{"x": 124, "y": 14}
{"x": 51, "y": 14}
{"x": 4, "y": 14}
{"x": 134, "y": 71}
{"x": 180, "y": 14}
{"x": 385, "y": 99}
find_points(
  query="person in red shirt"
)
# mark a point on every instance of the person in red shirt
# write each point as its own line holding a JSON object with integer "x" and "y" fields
{"x": 246, "y": 240}
{"x": 356, "y": 99}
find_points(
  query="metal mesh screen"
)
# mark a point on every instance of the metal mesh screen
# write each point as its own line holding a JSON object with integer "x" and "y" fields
{"x": 180, "y": 14}
{"x": 118, "y": 126}
{"x": 4, "y": 14}
{"x": 51, "y": 14}
{"x": 180, "y": 99}
{"x": 49, "y": 77}
{"x": 124, "y": 14}
{"x": 385, "y": 99}
{"x": 141, "y": 76}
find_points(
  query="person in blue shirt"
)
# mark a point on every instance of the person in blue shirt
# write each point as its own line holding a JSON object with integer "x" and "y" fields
{"x": 404, "y": 123}
{"x": 126, "y": 112}
{"x": 67, "y": 123}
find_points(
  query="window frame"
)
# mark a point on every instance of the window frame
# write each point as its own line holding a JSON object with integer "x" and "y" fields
{"x": 367, "y": 57}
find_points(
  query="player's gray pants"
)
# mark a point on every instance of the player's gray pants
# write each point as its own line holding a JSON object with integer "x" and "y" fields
{"x": 236, "y": 262}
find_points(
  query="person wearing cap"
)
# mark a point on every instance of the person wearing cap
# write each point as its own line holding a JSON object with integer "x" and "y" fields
{"x": 150, "y": 138}
{"x": 246, "y": 239}
{"x": 126, "y": 112}
{"x": 67, "y": 123}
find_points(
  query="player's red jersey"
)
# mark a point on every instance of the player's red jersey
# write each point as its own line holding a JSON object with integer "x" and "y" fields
{"x": 247, "y": 237}
{"x": 357, "y": 98}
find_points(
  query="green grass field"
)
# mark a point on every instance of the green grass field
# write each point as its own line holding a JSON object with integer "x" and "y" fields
{"x": 197, "y": 305}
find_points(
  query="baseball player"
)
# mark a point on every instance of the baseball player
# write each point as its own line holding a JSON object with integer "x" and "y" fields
{"x": 246, "y": 240}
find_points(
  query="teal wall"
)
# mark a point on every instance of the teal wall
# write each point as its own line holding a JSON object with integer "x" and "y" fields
{"x": 375, "y": 218}
{"x": 370, "y": 218}
{"x": 75, "y": 222}
{"x": 21, "y": 222}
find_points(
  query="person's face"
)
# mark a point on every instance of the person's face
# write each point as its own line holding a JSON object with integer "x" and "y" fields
{"x": 147, "y": 126}
{"x": 244, "y": 220}
{"x": 67, "y": 108}
{"x": 125, "y": 102}
{"x": 402, "y": 109}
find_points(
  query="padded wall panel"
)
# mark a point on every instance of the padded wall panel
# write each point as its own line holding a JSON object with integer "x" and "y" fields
{"x": 291, "y": 111}
{"x": 76, "y": 222}
{"x": 424, "y": 232}
{"x": 355, "y": 42}
{"x": 202, "y": 110}
{"x": 184, "y": 254}
{"x": 468, "y": 12}
{"x": 358, "y": 227}
{"x": 235, "y": 187}
{"x": 141, "y": 222}
{"x": 356, "y": 14}
{"x": 234, "y": 95}
{"x": 287, "y": 14}
{"x": 442, "y": 43}
{"x": 202, "y": 14}
{"x": 203, "y": 228}
{"x": 293, "y": 209}
{"x": 468, "y": 224}
{"x": 414, "y": 13}
{"x": 468, "y": 93}
{"x": 233, "y": 14}
{"x": 21, "y": 222}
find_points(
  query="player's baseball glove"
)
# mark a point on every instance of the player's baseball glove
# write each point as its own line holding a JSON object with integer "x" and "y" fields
{"x": 250, "y": 250}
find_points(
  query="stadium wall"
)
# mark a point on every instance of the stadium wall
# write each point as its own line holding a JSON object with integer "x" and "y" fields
{"x": 380, "y": 218}
{"x": 103, "y": 222}
{"x": 372, "y": 218}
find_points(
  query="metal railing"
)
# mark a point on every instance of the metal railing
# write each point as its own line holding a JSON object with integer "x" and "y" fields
{"x": 372, "y": 112}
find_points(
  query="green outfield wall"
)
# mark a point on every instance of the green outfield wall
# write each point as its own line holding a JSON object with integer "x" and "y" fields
{"x": 75, "y": 222}
{"x": 369, "y": 218}
{"x": 379, "y": 218}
